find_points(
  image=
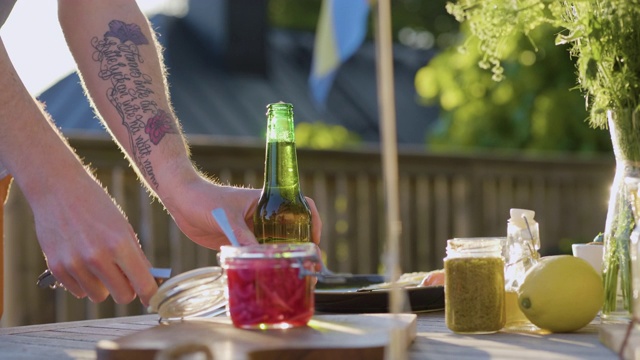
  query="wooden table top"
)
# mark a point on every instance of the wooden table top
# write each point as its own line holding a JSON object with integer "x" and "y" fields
{"x": 77, "y": 340}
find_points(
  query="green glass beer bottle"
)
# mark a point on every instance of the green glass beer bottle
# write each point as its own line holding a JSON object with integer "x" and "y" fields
{"x": 282, "y": 214}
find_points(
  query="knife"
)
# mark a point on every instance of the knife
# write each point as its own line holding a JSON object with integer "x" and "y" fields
{"x": 46, "y": 279}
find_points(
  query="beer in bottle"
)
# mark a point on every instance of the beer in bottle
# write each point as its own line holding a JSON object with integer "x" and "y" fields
{"x": 282, "y": 214}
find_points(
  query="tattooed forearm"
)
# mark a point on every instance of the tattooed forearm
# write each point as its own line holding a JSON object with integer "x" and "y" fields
{"x": 130, "y": 92}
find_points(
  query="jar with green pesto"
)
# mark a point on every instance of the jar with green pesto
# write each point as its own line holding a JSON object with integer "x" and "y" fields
{"x": 474, "y": 285}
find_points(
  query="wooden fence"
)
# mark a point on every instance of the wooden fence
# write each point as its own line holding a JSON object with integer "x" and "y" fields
{"x": 442, "y": 196}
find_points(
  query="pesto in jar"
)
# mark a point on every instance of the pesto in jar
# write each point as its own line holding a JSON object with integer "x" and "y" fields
{"x": 474, "y": 294}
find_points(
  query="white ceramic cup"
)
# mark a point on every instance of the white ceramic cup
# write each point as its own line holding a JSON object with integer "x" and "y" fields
{"x": 593, "y": 254}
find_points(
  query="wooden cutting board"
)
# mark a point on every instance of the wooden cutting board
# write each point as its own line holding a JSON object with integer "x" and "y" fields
{"x": 612, "y": 336}
{"x": 335, "y": 337}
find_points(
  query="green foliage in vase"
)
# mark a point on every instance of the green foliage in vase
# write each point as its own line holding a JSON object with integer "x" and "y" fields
{"x": 603, "y": 35}
{"x": 604, "y": 40}
{"x": 532, "y": 108}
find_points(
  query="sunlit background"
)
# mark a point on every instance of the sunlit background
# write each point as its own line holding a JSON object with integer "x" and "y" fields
{"x": 36, "y": 45}
{"x": 475, "y": 112}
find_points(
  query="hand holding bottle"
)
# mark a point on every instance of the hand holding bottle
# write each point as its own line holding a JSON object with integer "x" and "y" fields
{"x": 278, "y": 213}
{"x": 190, "y": 204}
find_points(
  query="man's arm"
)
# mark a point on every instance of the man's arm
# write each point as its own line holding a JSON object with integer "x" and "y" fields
{"x": 123, "y": 72}
{"x": 87, "y": 241}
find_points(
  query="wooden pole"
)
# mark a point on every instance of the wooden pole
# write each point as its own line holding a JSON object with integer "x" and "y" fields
{"x": 387, "y": 115}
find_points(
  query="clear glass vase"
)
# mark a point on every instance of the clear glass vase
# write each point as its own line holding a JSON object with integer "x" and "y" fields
{"x": 621, "y": 218}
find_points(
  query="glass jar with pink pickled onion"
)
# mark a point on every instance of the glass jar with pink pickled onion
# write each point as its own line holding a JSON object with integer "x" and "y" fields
{"x": 269, "y": 286}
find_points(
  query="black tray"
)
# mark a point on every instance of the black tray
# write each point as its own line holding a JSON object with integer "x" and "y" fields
{"x": 428, "y": 298}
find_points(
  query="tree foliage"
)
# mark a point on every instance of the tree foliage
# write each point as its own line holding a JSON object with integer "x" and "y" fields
{"x": 536, "y": 106}
{"x": 531, "y": 108}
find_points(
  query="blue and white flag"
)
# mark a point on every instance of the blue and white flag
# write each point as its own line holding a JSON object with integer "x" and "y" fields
{"x": 342, "y": 27}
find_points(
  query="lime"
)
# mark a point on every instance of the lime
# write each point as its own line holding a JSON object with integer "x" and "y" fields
{"x": 561, "y": 293}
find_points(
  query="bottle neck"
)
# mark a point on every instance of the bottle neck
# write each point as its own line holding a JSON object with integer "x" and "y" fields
{"x": 280, "y": 123}
{"x": 281, "y": 164}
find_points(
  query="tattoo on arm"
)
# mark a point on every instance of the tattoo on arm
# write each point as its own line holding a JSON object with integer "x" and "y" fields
{"x": 130, "y": 92}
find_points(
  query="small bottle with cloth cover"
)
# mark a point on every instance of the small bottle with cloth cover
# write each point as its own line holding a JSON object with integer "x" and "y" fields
{"x": 521, "y": 254}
